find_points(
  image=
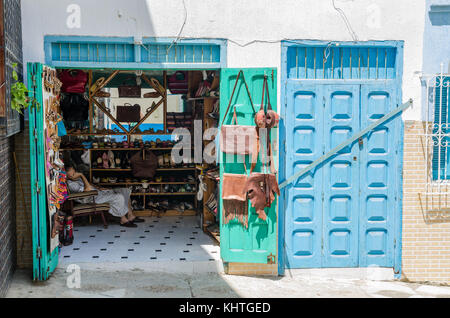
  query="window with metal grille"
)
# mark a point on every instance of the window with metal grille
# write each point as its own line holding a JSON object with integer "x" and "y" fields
{"x": 339, "y": 61}
{"x": 440, "y": 128}
{"x": 75, "y": 51}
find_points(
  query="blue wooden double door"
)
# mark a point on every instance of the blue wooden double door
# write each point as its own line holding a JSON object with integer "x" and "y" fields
{"x": 342, "y": 213}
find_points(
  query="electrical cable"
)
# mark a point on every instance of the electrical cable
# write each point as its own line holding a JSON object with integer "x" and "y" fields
{"x": 181, "y": 29}
{"x": 347, "y": 23}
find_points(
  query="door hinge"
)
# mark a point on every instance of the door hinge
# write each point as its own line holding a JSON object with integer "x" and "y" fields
{"x": 38, "y": 188}
{"x": 38, "y": 253}
{"x": 324, "y": 101}
{"x": 271, "y": 259}
{"x": 395, "y": 243}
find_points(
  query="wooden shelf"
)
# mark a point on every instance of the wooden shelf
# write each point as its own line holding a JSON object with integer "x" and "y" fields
{"x": 72, "y": 149}
{"x": 140, "y": 183}
{"x": 111, "y": 169}
{"x": 117, "y": 149}
{"x": 159, "y": 169}
{"x": 201, "y": 98}
{"x": 167, "y": 213}
{"x": 214, "y": 235}
{"x": 171, "y": 169}
{"x": 164, "y": 194}
{"x": 128, "y": 149}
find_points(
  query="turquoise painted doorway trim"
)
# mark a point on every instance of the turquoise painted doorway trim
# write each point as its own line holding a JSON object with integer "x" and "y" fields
{"x": 127, "y": 53}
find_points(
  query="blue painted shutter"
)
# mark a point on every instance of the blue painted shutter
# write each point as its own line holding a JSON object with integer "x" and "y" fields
{"x": 440, "y": 114}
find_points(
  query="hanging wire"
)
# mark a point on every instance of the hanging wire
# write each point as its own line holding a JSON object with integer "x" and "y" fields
{"x": 181, "y": 29}
{"x": 347, "y": 23}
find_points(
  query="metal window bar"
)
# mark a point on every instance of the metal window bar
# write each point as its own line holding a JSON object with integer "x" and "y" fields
{"x": 437, "y": 137}
{"x": 343, "y": 62}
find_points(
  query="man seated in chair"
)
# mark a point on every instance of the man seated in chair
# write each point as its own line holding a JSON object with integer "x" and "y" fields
{"x": 118, "y": 198}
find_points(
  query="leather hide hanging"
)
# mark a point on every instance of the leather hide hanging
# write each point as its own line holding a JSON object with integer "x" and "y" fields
{"x": 234, "y": 198}
{"x": 261, "y": 189}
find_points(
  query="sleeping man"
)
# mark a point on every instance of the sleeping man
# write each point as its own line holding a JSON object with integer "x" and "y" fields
{"x": 118, "y": 198}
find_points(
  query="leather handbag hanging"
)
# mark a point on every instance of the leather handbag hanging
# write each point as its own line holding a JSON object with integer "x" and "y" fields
{"x": 178, "y": 82}
{"x": 234, "y": 138}
{"x": 261, "y": 188}
{"x": 269, "y": 119}
{"x": 128, "y": 113}
{"x": 132, "y": 91}
{"x": 144, "y": 168}
{"x": 234, "y": 197}
{"x": 272, "y": 117}
{"x": 73, "y": 81}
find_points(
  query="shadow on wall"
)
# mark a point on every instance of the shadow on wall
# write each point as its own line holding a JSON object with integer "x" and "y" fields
{"x": 439, "y": 15}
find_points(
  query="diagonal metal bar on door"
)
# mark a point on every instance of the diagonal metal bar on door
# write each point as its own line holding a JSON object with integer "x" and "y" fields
{"x": 346, "y": 143}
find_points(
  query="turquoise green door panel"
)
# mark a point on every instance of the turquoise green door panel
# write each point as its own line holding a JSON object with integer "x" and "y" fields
{"x": 259, "y": 241}
{"x": 44, "y": 261}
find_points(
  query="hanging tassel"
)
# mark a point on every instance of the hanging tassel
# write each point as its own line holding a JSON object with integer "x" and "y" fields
{"x": 235, "y": 209}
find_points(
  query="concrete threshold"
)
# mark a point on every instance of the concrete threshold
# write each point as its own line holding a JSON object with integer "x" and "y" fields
{"x": 173, "y": 267}
{"x": 368, "y": 273}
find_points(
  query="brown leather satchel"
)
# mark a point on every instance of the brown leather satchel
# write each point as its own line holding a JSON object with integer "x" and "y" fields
{"x": 235, "y": 138}
{"x": 128, "y": 113}
{"x": 144, "y": 168}
{"x": 234, "y": 198}
{"x": 262, "y": 187}
{"x": 133, "y": 91}
{"x": 238, "y": 139}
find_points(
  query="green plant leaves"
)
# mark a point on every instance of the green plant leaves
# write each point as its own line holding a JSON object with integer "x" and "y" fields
{"x": 19, "y": 93}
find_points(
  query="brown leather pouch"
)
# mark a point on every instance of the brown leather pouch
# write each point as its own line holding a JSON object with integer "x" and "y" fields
{"x": 238, "y": 139}
{"x": 144, "y": 168}
{"x": 261, "y": 189}
{"x": 235, "y": 138}
{"x": 234, "y": 198}
{"x": 128, "y": 113}
{"x": 132, "y": 91}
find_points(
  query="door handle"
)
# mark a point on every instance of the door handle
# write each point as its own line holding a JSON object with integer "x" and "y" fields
{"x": 360, "y": 141}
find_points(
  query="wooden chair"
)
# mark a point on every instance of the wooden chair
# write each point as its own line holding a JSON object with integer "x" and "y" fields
{"x": 86, "y": 209}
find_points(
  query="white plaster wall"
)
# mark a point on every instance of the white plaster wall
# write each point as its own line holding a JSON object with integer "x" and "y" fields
{"x": 239, "y": 21}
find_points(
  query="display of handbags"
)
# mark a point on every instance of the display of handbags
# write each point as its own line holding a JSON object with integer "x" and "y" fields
{"x": 178, "y": 120}
{"x": 73, "y": 81}
{"x": 234, "y": 197}
{"x": 131, "y": 91}
{"x": 238, "y": 139}
{"x": 75, "y": 107}
{"x": 266, "y": 119}
{"x": 129, "y": 113}
{"x": 144, "y": 168}
{"x": 235, "y": 138}
{"x": 178, "y": 82}
{"x": 259, "y": 187}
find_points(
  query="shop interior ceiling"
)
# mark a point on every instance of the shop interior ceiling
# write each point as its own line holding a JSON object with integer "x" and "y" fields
{"x": 126, "y": 76}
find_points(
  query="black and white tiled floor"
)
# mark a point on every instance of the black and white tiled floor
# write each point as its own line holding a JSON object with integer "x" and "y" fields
{"x": 158, "y": 239}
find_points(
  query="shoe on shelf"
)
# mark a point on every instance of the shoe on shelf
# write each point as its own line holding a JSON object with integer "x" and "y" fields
{"x": 188, "y": 206}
